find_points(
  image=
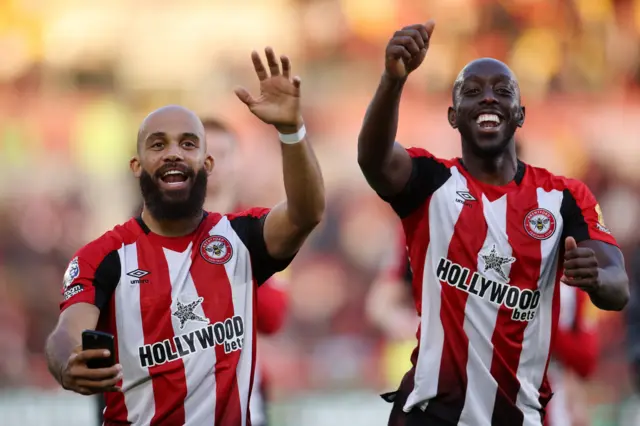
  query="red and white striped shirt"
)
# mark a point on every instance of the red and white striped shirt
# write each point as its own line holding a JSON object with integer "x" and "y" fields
{"x": 182, "y": 311}
{"x": 485, "y": 262}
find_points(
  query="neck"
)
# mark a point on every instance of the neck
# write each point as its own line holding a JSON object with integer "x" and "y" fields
{"x": 171, "y": 228}
{"x": 494, "y": 170}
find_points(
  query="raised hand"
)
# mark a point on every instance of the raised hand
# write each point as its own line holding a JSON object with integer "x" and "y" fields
{"x": 77, "y": 377}
{"x": 407, "y": 49}
{"x": 580, "y": 266}
{"x": 279, "y": 100}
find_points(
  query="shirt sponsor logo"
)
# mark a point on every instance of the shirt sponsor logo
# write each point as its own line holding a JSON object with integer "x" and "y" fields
{"x": 540, "y": 224}
{"x": 523, "y": 303}
{"x": 216, "y": 249}
{"x": 228, "y": 334}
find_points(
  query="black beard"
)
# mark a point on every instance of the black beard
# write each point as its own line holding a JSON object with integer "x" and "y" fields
{"x": 164, "y": 208}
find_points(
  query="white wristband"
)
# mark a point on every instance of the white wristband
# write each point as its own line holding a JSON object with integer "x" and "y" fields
{"x": 292, "y": 138}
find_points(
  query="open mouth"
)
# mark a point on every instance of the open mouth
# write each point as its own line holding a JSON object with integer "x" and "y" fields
{"x": 174, "y": 178}
{"x": 488, "y": 121}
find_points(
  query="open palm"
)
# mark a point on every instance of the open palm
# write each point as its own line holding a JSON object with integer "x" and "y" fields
{"x": 279, "y": 100}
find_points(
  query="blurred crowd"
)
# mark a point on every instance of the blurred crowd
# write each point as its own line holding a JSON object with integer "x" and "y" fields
{"x": 77, "y": 77}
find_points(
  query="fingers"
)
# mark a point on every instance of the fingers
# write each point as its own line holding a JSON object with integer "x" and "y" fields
{"x": 83, "y": 356}
{"x": 570, "y": 244}
{"x": 579, "y": 252}
{"x": 581, "y": 263}
{"x": 297, "y": 82}
{"x": 399, "y": 52}
{"x": 82, "y": 372}
{"x": 258, "y": 66}
{"x": 409, "y": 39}
{"x": 272, "y": 62}
{"x": 583, "y": 283}
{"x": 286, "y": 66}
{"x": 429, "y": 26}
{"x": 581, "y": 273}
{"x": 244, "y": 95}
{"x": 107, "y": 385}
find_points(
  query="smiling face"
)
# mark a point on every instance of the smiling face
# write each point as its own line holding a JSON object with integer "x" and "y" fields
{"x": 172, "y": 164}
{"x": 486, "y": 106}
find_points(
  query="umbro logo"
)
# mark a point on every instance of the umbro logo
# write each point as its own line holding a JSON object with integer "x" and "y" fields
{"x": 464, "y": 197}
{"x": 137, "y": 275}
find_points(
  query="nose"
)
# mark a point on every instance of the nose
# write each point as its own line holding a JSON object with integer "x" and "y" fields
{"x": 173, "y": 153}
{"x": 488, "y": 97}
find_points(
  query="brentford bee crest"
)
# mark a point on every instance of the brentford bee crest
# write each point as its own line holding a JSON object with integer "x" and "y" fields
{"x": 540, "y": 224}
{"x": 216, "y": 249}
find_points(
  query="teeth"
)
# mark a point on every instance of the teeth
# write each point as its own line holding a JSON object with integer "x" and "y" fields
{"x": 488, "y": 117}
{"x": 172, "y": 172}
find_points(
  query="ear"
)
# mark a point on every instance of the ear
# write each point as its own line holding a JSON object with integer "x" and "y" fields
{"x": 520, "y": 120}
{"x": 453, "y": 117}
{"x": 209, "y": 163}
{"x": 135, "y": 166}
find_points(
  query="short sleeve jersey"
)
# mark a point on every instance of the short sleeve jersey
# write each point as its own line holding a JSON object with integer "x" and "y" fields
{"x": 486, "y": 266}
{"x": 183, "y": 314}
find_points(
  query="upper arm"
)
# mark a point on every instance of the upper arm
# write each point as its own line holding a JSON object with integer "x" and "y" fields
{"x": 393, "y": 175}
{"x": 91, "y": 277}
{"x": 250, "y": 227}
{"x": 427, "y": 174}
{"x": 77, "y": 318}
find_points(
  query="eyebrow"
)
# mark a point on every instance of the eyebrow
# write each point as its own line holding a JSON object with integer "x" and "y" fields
{"x": 162, "y": 135}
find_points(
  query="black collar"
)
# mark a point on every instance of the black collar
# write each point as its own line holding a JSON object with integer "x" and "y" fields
{"x": 519, "y": 171}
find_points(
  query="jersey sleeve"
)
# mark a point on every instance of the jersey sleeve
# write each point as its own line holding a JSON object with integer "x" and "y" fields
{"x": 582, "y": 215}
{"x": 91, "y": 276}
{"x": 427, "y": 175}
{"x": 249, "y": 225}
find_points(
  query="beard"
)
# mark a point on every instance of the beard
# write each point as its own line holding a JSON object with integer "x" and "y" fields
{"x": 178, "y": 205}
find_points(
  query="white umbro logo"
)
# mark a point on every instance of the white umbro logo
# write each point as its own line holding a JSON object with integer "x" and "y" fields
{"x": 138, "y": 273}
{"x": 466, "y": 196}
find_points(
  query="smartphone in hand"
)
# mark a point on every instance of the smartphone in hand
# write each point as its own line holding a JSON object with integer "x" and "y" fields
{"x": 92, "y": 339}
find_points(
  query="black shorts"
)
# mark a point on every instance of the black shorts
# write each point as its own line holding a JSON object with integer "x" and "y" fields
{"x": 415, "y": 417}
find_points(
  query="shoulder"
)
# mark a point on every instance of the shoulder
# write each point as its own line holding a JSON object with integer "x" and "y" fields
{"x": 421, "y": 154}
{"x": 250, "y": 213}
{"x": 546, "y": 180}
{"x": 112, "y": 240}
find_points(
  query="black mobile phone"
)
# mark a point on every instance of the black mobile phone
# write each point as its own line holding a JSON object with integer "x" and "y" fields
{"x": 92, "y": 339}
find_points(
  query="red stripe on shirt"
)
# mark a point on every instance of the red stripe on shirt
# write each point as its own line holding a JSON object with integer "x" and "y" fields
{"x": 212, "y": 284}
{"x": 168, "y": 379}
{"x": 468, "y": 237}
{"x": 418, "y": 238}
{"x": 545, "y": 388}
{"x": 508, "y": 334}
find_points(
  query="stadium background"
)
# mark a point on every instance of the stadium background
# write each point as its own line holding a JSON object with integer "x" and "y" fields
{"x": 77, "y": 77}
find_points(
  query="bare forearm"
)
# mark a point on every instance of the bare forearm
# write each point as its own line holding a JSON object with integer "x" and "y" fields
{"x": 303, "y": 185}
{"x": 380, "y": 125}
{"x": 613, "y": 292}
{"x": 59, "y": 347}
